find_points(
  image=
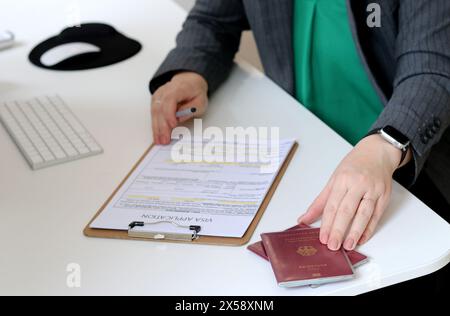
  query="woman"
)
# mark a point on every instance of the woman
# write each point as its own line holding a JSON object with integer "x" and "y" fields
{"x": 377, "y": 72}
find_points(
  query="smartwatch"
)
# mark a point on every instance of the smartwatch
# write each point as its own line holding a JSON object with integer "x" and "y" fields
{"x": 396, "y": 139}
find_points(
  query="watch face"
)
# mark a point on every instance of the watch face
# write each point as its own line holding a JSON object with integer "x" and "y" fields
{"x": 395, "y": 134}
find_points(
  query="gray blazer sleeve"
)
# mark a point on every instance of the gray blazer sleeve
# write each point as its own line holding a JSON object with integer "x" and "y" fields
{"x": 207, "y": 43}
{"x": 420, "y": 104}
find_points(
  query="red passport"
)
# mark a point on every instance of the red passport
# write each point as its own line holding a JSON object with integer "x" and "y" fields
{"x": 299, "y": 258}
{"x": 356, "y": 258}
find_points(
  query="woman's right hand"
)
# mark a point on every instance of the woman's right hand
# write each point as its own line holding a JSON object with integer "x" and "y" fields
{"x": 184, "y": 91}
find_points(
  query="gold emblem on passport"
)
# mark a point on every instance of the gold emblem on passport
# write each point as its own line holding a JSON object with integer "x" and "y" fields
{"x": 306, "y": 251}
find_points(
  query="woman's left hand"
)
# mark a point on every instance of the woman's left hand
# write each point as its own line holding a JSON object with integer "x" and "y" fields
{"x": 358, "y": 192}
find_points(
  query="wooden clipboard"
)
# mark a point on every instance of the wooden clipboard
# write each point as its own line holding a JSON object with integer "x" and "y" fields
{"x": 208, "y": 240}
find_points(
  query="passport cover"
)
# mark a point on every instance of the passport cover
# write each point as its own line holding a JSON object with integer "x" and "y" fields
{"x": 299, "y": 258}
{"x": 356, "y": 258}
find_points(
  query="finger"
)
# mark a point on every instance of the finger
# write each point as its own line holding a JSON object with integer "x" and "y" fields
{"x": 373, "y": 223}
{"x": 155, "y": 119}
{"x": 360, "y": 222}
{"x": 337, "y": 193}
{"x": 155, "y": 129}
{"x": 169, "y": 108}
{"x": 346, "y": 212}
{"x": 165, "y": 130}
{"x": 316, "y": 208}
{"x": 164, "y": 104}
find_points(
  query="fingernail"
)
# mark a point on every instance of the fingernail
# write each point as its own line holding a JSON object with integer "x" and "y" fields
{"x": 349, "y": 244}
{"x": 299, "y": 220}
{"x": 333, "y": 245}
{"x": 324, "y": 238}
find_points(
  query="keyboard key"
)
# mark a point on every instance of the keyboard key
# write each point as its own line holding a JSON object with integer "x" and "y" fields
{"x": 59, "y": 154}
{"x": 36, "y": 159}
{"x": 71, "y": 152}
{"x": 48, "y": 156}
{"x": 94, "y": 147}
{"x": 83, "y": 150}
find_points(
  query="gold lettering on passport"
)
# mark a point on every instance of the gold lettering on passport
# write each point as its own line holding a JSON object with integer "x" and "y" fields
{"x": 313, "y": 266}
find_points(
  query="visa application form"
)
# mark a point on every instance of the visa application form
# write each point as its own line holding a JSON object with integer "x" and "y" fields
{"x": 221, "y": 197}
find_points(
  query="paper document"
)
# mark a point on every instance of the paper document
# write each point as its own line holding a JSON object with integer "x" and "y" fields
{"x": 221, "y": 197}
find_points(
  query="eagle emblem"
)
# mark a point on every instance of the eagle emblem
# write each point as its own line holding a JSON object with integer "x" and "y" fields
{"x": 306, "y": 251}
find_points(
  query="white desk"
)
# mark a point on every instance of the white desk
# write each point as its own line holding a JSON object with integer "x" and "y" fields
{"x": 43, "y": 213}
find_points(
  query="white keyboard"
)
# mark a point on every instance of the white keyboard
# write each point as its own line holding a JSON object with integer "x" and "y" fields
{"x": 47, "y": 132}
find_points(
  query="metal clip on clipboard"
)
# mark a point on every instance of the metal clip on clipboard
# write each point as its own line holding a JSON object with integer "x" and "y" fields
{"x": 190, "y": 234}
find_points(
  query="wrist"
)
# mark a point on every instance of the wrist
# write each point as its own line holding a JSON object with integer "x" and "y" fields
{"x": 398, "y": 141}
{"x": 391, "y": 154}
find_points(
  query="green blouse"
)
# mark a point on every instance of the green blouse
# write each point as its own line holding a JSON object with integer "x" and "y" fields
{"x": 330, "y": 78}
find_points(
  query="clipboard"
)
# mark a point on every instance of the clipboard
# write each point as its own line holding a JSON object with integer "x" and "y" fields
{"x": 206, "y": 240}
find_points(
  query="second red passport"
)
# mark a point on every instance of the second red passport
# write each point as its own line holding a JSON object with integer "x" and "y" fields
{"x": 299, "y": 258}
{"x": 356, "y": 258}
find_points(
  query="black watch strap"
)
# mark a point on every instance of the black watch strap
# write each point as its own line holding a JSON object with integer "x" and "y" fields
{"x": 404, "y": 152}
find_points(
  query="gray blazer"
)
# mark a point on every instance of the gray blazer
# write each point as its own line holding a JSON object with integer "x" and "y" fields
{"x": 407, "y": 58}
